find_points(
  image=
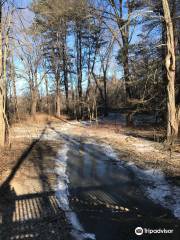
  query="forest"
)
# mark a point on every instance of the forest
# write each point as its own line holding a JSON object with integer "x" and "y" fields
{"x": 82, "y": 80}
{"x": 105, "y": 56}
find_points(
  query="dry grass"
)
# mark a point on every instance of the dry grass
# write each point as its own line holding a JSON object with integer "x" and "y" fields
{"x": 40, "y": 118}
{"x": 125, "y": 140}
{"x": 22, "y": 134}
{"x": 9, "y": 156}
{"x": 137, "y": 147}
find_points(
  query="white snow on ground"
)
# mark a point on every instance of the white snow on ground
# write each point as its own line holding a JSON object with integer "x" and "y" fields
{"x": 106, "y": 148}
{"x": 158, "y": 189}
{"x": 109, "y": 151}
{"x": 51, "y": 135}
{"x": 63, "y": 193}
{"x": 153, "y": 182}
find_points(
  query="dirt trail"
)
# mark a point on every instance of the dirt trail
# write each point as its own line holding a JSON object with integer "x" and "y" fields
{"x": 28, "y": 186}
{"x": 28, "y": 205}
{"x": 143, "y": 152}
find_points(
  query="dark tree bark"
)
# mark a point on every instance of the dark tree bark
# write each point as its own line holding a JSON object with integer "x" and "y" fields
{"x": 65, "y": 70}
{"x": 58, "y": 97}
{"x": 34, "y": 94}
{"x": 79, "y": 66}
{"x": 47, "y": 96}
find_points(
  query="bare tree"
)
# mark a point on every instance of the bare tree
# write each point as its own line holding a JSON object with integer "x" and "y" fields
{"x": 30, "y": 55}
{"x": 123, "y": 23}
{"x": 2, "y": 88}
{"x": 4, "y": 28}
{"x": 173, "y": 112}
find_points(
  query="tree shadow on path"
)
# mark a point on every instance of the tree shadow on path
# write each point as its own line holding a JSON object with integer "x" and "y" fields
{"x": 32, "y": 215}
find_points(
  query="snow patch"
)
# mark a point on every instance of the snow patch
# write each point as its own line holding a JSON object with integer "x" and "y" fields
{"x": 63, "y": 194}
{"x": 105, "y": 148}
{"x": 109, "y": 151}
{"x": 153, "y": 182}
{"x": 50, "y": 136}
{"x": 158, "y": 189}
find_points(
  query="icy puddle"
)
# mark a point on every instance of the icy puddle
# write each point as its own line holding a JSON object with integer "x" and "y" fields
{"x": 105, "y": 198}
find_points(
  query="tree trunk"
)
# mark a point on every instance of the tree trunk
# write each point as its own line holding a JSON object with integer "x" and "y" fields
{"x": 2, "y": 119}
{"x": 176, "y": 22}
{"x": 2, "y": 93}
{"x": 34, "y": 95}
{"x": 58, "y": 105}
{"x": 15, "y": 100}
{"x": 105, "y": 99}
{"x": 79, "y": 67}
{"x": 47, "y": 96}
{"x": 58, "y": 98}
{"x": 126, "y": 66}
{"x": 124, "y": 29}
{"x": 65, "y": 70}
{"x": 172, "y": 118}
{"x": 33, "y": 102}
{"x": 14, "y": 91}
{"x": 105, "y": 92}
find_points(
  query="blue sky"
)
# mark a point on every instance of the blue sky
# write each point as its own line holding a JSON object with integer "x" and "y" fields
{"x": 26, "y": 17}
{"x": 114, "y": 68}
{"x": 22, "y": 3}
